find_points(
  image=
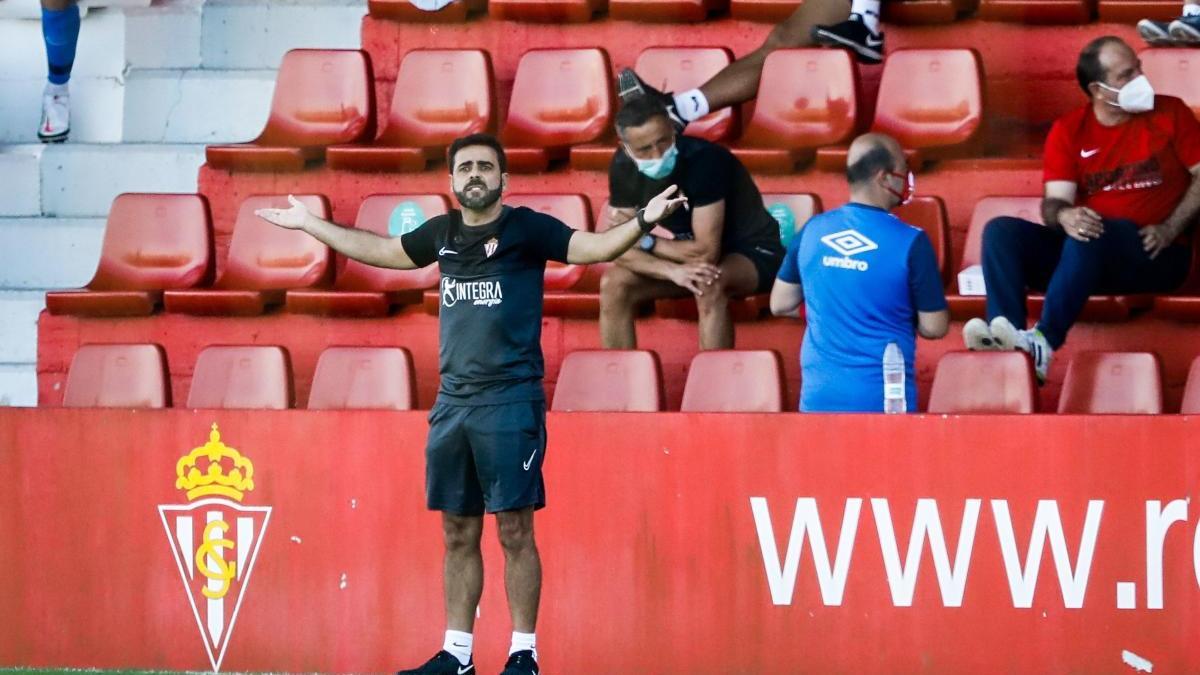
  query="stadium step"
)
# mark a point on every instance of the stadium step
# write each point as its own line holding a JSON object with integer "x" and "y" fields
{"x": 252, "y": 34}
{"x": 18, "y": 322}
{"x": 196, "y": 106}
{"x": 82, "y": 180}
{"x": 54, "y": 252}
{"x": 18, "y": 384}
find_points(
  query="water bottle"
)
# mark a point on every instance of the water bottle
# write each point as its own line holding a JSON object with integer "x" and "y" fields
{"x": 893, "y": 380}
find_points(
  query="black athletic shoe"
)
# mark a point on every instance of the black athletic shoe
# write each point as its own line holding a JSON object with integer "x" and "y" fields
{"x": 854, "y": 35}
{"x": 521, "y": 663}
{"x": 630, "y": 86}
{"x": 1186, "y": 30}
{"x": 442, "y": 663}
{"x": 1155, "y": 32}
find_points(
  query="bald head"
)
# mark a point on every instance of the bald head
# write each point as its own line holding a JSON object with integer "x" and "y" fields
{"x": 871, "y": 153}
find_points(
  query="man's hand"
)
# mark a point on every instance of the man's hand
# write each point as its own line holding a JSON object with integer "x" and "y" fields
{"x": 695, "y": 277}
{"x": 664, "y": 205}
{"x": 1155, "y": 238}
{"x": 293, "y": 218}
{"x": 1081, "y": 223}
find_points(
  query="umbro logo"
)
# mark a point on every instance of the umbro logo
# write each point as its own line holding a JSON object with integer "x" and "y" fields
{"x": 849, "y": 242}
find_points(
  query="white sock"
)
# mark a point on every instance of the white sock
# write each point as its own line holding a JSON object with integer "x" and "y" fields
{"x": 691, "y": 104}
{"x": 522, "y": 642}
{"x": 1191, "y": 9}
{"x": 55, "y": 89}
{"x": 869, "y": 11}
{"x": 459, "y": 644}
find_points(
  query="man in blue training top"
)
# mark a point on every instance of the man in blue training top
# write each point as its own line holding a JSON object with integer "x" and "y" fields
{"x": 867, "y": 279}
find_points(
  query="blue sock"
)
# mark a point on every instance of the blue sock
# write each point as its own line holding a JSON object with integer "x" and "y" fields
{"x": 61, "y": 32}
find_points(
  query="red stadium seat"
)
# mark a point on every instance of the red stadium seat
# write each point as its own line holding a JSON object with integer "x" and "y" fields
{"x": 366, "y": 290}
{"x": 264, "y": 260}
{"x": 576, "y": 212}
{"x": 962, "y": 307}
{"x": 405, "y": 11}
{"x": 769, "y": 11}
{"x": 929, "y": 214}
{"x": 669, "y": 69}
{"x": 241, "y": 377}
{"x": 1175, "y": 72}
{"x": 683, "y": 68}
{"x": 440, "y": 95}
{"x": 545, "y": 11}
{"x": 734, "y": 381}
{"x": 1112, "y": 383}
{"x": 610, "y": 380}
{"x": 931, "y": 101}
{"x": 1184, "y": 304}
{"x": 1191, "y": 390}
{"x": 560, "y": 98}
{"x": 676, "y": 11}
{"x": 793, "y": 210}
{"x": 322, "y": 97}
{"x": 363, "y": 377}
{"x": 983, "y": 382}
{"x": 118, "y": 376}
{"x": 1132, "y": 11}
{"x": 807, "y": 98}
{"x": 925, "y": 11}
{"x": 1037, "y": 11}
{"x": 152, "y": 242}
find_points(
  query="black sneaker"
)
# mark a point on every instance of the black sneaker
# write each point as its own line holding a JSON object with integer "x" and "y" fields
{"x": 630, "y": 86}
{"x": 521, "y": 663}
{"x": 442, "y": 663}
{"x": 1155, "y": 32}
{"x": 854, "y": 35}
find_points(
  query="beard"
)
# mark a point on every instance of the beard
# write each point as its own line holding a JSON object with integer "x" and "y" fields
{"x": 481, "y": 200}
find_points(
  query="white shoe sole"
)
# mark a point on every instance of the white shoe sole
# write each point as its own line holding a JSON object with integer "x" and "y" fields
{"x": 1181, "y": 33}
{"x": 829, "y": 39}
{"x": 1154, "y": 34}
{"x": 977, "y": 337}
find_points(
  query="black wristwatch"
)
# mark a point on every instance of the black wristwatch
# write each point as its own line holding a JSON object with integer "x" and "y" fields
{"x": 647, "y": 242}
{"x": 642, "y": 222}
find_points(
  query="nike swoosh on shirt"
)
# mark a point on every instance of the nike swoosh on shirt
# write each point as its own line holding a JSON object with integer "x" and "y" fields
{"x": 445, "y": 251}
{"x": 1088, "y": 153}
{"x": 529, "y": 462}
{"x": 466, "y": 669}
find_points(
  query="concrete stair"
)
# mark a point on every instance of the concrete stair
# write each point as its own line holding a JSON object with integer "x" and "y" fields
{"x": 153, "y": 83}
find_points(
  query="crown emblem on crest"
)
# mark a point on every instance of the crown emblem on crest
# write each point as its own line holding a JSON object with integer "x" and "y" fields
{"x": 214, "y": 469}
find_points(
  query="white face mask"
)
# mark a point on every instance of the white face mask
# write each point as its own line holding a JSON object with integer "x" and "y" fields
{"x": 1137, "y": 96}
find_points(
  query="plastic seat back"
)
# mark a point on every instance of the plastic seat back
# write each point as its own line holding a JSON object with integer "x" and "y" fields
{"x": 573, "y": 210}
{"x": 1112, "y": 382}
{"x": 734, "y": 381}
{"x": 1191, "y": 391}
{"x": 984, "y": 382}
{"x": 155, "y": 242}
{"x": 791, "y": 211}
{"x": 440, "y": 95}
{"x": 560, "y": 97}
{"x": 1175, "y": 72}
{"x": 118, "y": 376}
{"x": 807, "y": 98}
{"x": 929, "y": 214}
{"x": 363, "y": 377}
{"x": 322, "y": 97}
{"x": 263, "y": 256}
{"x": 684, "y": 68}
{"x": 1028, "y": 208}
{"x": 392, "y": 216}
{"x": 241, "y": 377}
{"x": 930, "y": 98}
{"x": 610, "y": 380}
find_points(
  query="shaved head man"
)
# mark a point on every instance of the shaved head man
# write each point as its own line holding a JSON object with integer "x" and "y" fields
{"x": 866, "y": 279}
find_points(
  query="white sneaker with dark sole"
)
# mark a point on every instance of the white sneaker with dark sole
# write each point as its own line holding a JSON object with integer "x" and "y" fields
{"x": 978, "y": 337}
{"x": 1156, "y": 33}
{"x": 56, "y": 115}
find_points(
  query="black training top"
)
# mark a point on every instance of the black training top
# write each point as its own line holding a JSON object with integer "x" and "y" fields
{"x": 706, "y": 173}
{"x": 491, "y": 315}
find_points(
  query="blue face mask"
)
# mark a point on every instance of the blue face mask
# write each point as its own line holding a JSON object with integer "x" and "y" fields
{"x": 657, "y": 168}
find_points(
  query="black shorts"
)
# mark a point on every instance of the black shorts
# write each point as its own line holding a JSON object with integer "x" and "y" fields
{"x": 767, "y": 258}
{"x": 485, "y": 457}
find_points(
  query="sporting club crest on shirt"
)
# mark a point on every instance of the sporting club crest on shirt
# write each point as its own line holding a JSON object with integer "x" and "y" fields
{"x": 490, "y": 246}
{"x": 214, "y": 537}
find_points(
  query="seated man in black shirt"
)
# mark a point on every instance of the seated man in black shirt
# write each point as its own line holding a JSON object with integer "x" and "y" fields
{"x": 727, "y": 244}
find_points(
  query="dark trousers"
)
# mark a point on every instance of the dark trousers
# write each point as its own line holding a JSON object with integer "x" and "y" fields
{"x": 1020, "y": 255}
